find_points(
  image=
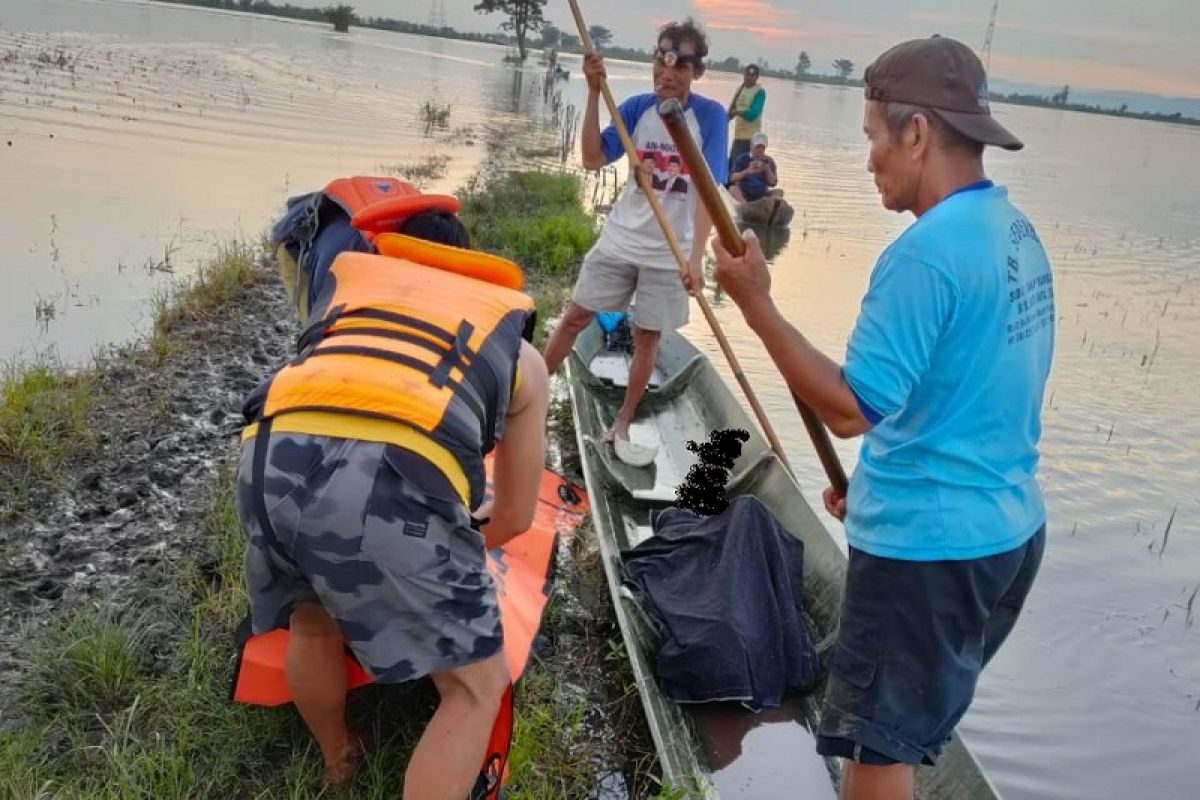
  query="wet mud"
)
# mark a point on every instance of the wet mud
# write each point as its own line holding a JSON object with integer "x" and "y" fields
{"x": 117, "y": 522}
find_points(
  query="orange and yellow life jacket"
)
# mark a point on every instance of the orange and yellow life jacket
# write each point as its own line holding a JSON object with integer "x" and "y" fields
{"x": 403, "y": 342}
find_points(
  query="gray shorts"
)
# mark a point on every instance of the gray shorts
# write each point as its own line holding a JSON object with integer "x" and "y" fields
{"x": 608, "y": 284}
{"x": 399, "y": 569}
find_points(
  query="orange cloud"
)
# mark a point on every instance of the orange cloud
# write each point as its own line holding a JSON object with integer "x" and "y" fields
{"x": 750, "y": 16}
{"x": 757, "y": 30}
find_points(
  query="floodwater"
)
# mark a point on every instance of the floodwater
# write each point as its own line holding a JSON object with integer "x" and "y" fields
{"x": 162, "y": 130}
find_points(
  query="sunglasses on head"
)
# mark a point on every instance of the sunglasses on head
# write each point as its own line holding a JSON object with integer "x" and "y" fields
{"x": 674, "y": 58}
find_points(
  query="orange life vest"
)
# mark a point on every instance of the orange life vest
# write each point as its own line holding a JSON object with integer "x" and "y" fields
{"x": 401, "y": 341}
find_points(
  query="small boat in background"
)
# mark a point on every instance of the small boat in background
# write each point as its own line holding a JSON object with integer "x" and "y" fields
{"x": 770, "y": 211}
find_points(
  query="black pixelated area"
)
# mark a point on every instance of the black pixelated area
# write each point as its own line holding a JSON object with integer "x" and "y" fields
{"x": 703, "y": 490}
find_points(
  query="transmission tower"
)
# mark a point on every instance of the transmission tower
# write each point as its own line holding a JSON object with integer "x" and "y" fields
{"x": 987, "y": 40}
{"x": 437, "y": 14}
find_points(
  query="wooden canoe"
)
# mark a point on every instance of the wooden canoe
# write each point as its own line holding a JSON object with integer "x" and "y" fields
{"x": 717, "y": 750}
{"x": 768, "y": 212}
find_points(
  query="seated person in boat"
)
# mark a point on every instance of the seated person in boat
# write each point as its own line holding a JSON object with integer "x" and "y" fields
{"x": 362, "y": 462}
{"x": 944, "y": 377}
{"x": 754, "y": 174}
{"x": 632, "y": 254}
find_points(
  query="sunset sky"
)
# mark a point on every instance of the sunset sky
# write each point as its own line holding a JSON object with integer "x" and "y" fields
{"x": 1149, "y": 46}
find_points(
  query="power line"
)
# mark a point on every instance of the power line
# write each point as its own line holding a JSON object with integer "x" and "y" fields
{"x": 437, "y": 14}
{"x": 987, "y": 40}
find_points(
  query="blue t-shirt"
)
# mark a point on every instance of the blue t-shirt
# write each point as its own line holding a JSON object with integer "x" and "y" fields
{"x": 753, "y": 186}
{"x": 631, "y": 233}
{"x": 950, "y": 357}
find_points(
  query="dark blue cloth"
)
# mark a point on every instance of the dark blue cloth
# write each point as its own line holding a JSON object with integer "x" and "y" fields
{"x": 753, "y": 186}
{"x": 725, "y": 592}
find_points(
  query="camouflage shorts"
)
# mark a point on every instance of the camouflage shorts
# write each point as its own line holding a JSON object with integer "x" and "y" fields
{"x": 400, "y": 569}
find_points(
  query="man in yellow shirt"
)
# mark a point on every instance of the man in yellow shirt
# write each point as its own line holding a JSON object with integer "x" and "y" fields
{"x": 746, "y": 110}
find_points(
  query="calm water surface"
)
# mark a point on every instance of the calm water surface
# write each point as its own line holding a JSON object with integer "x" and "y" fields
{"x": 179, "y": 128}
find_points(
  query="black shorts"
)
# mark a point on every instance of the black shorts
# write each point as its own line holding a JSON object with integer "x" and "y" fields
{"x": 913, "y": 638}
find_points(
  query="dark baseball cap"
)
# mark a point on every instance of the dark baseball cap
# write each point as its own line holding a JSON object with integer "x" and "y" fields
{"x": 943, "y": 75}
{"x": 751, "y": 68}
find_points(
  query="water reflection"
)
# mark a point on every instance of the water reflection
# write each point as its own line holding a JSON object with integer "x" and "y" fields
{"x": 789, "y": 767}
{"x": 772, "y": 239}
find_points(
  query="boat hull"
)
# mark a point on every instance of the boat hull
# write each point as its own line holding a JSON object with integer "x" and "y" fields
{"x": 717, "y": 750}
{"x": 769, "y": 212}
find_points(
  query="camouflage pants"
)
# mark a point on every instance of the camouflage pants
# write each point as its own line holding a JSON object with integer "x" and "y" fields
{"x": 401, "y": 571}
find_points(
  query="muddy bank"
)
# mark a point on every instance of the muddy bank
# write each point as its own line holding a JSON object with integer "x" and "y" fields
{"x": 127, "y": 523}
{"x": 121, "y": 517}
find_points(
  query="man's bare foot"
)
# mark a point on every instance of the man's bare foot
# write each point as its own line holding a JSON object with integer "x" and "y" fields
{"x": 340, "y": 774}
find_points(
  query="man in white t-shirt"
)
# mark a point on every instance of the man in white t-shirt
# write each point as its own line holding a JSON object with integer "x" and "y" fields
{"x": 632, "y": 254}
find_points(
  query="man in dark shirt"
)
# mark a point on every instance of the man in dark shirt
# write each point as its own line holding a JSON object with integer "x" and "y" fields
{"x": 754, "y": 174}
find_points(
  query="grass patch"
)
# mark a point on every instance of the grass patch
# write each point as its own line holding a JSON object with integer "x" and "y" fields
{"x": 434, "y": 115}
{"x": 43, "y": 420}
{"x": 218, "y": 284}
{"x": 429, "y": 168}
{"x": 533, "y": 218}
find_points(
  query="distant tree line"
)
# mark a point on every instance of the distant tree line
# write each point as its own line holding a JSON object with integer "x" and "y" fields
{"x": 524, "y": 18}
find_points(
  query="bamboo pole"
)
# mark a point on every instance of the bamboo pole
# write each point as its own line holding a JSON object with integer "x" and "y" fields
{"x": 703, "y": 182}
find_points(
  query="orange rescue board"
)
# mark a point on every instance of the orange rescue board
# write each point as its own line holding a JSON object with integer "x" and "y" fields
{"x": 522, "y": 570}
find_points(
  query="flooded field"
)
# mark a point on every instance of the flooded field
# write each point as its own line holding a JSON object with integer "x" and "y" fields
{"x": 133, "y": 137}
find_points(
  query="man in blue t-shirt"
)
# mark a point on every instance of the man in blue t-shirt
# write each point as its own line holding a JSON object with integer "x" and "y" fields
{"x": 632, "y": 254}
{"x": 944, "y": 377}
{"x": 754, "y": 174}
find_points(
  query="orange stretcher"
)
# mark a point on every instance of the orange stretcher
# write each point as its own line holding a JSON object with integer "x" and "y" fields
{"x": 523, "y": 571}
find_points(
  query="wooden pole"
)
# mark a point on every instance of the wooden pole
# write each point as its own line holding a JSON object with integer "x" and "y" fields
{"x": 680, "y": 260}
{"x": 706, "y": 186}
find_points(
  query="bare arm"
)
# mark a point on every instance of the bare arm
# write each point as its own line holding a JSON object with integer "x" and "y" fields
{"x": 520, "y": 453}
{"x": 591, "y": 150}
{"x": 701, "y": 226}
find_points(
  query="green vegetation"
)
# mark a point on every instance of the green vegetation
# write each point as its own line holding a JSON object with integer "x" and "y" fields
{"x": 844, "y": 67}
{"x": 217, "y": 285}
{"x": 533, "y": 218}
{"x": 803, "y": 64}
{"x": 434, "y": 115}
{"x": 43, "y": 420}
{"x": 341, "y": 17}
{"x": 419, "y": 173}
{"x": 522, "y": 17}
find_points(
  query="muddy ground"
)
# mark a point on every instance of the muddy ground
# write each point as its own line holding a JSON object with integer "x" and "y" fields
{"x": 119, "y": 525}
{"x": 116, "y": 524}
